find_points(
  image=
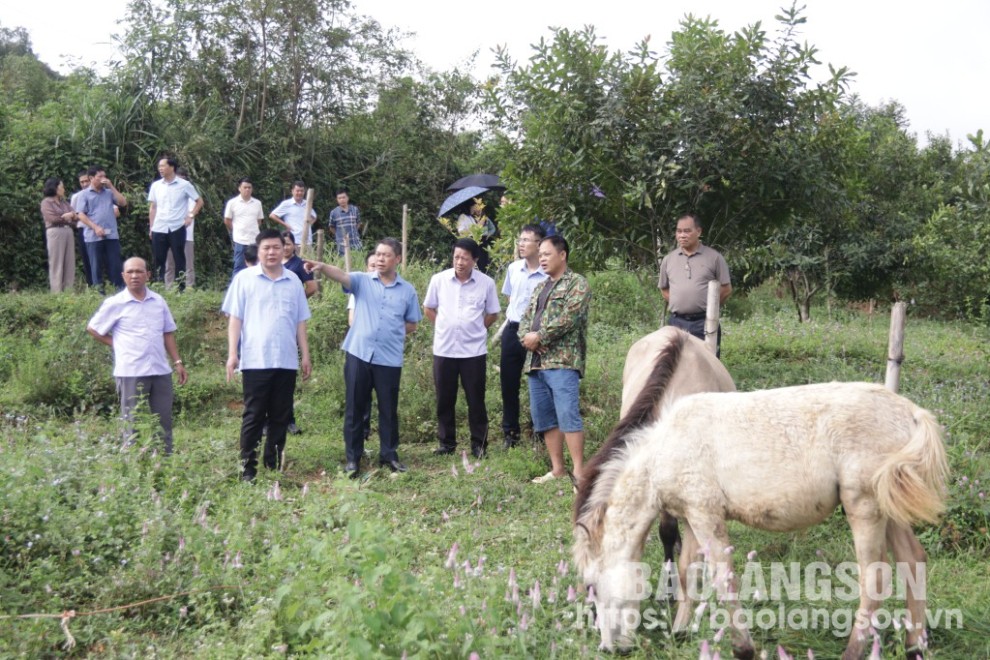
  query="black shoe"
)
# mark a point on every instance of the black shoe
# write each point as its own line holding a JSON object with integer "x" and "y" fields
{"x": 511, "y": 439}
{"x": 478, "y": 452}
{"x": 293, "y": 429}
{"x": 351, "y": 469}
{"x": 247, "y": 477}
{"x": 443, "y": 451}
{"x": 394, "y": 466}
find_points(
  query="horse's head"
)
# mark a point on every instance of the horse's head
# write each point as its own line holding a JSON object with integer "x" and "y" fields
{"x": 615, "y": 588}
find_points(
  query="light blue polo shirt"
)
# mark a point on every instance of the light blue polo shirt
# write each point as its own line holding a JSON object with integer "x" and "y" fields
{"x": 381, "y": 312}
{"x": 270, "y": 311}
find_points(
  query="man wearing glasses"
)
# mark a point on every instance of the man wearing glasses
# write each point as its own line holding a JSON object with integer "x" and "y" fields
{"x": 522, "y": 276}
{"x": 684, "y": 276}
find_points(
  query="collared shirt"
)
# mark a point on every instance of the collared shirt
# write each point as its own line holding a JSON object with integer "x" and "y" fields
{"x": 293, "y": 213}
{"x": 563, "y": 324}
{"x": 244, "y": 218}
{"x": 345, "y": 223}
{"x": 98, "y": 206}
{"x": 518, "y": 286}
{"x": 381, "y": 312}
{"x": 138, "y": 328}
{"x": 461, "y": 308}
{"x": 270, "y": 312}
{"x": 687, "y": 278}
{"x": 171, "y": 200}
{"x": 295, "y": 264}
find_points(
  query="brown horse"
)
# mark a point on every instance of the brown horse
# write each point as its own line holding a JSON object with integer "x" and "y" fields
{"x": 778, "y": 460}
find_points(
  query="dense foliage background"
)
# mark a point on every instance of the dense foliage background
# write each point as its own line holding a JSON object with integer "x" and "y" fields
{"x": 795, "y": 177}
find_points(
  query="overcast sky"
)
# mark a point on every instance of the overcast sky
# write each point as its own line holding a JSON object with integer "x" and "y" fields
{"x": 931, "y": 57}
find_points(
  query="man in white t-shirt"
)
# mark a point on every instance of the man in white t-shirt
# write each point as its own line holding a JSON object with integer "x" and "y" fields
{"x": 243, "y": 215}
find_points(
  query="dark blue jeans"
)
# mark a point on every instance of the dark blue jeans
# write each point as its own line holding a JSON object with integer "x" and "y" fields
{"x": 104, "y": 256}
{"x": 239, "y": 263}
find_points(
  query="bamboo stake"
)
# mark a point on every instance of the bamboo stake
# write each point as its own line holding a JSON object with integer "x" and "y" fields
{"x": 305, "y": 248}
{"x": 895, "y": 346}
{"x": 405, "y": 236}
{"x": 347, "y": 253}
{"x": 711, "y": 316}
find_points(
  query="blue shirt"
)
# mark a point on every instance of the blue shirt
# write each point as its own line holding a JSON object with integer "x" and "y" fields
{"x": 98, "y": 207}
{"x": 270, "y": 312}
{"x": 381, "y": 312}
{"x": 294, "y": 215}
{"x": 345, "y": 223}
{"x": 518, "y": 286}
{"x": 171, "y": 200}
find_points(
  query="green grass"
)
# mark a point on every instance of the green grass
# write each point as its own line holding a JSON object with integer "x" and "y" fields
{"x": 329, "y": 567}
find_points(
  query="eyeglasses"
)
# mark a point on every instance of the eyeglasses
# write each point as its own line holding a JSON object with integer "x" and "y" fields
{"x": 687, "y": 268}
{"x": 523, "y": 241}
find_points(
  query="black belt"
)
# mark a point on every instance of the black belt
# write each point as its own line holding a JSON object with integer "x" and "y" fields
{"x": 512, "y": 323}
{"x": 689, "y": 317}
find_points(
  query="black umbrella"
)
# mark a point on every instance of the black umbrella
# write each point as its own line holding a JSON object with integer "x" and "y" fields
{"x": 459, "y": 198}
{"x": 489, "y": 181}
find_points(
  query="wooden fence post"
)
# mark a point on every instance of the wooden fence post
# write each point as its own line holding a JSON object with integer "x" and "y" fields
{"x": 895, "y": 346}
{"x": 712, "y": 312}
{"x": 405, "y": 236}
{"x": 308, "y": 221}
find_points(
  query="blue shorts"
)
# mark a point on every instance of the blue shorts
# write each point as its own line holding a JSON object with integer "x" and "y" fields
{"x": 553, "y": 400}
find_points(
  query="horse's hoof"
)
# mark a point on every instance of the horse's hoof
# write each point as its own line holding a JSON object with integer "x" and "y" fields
{"x": 743, "y": 652}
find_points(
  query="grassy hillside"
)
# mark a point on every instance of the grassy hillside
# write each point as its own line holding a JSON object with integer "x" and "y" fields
{"x": 450, "y": 559}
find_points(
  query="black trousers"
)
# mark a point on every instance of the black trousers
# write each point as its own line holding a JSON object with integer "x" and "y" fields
{"x": 267, "y": 398}
{"x": 175, "y": 241}
{"x": 510, "y": 377}
{"x": 361, "y": 378}
{"x": 471, "y": 372}
{"x": 696, "y": 328}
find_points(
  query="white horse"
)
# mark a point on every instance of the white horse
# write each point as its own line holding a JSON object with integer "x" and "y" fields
{"x": 660, "y": 368}
{"x": 778, "y": 460}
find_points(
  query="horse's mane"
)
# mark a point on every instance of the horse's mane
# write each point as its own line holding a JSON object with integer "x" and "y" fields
{"x": 642, "y": 412}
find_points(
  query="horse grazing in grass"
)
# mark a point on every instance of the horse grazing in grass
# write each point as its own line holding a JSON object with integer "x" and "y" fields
{"x": 660, "y": 368}
{"x": 778, "y": 460}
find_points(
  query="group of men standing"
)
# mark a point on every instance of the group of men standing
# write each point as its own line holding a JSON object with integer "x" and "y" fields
{"x": 544, "y": 337}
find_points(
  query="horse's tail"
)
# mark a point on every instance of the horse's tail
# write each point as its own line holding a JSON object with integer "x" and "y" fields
{"x": 910, "y": 485}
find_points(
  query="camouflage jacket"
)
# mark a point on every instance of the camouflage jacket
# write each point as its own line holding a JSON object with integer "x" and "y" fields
{"x": 563, "y": 329}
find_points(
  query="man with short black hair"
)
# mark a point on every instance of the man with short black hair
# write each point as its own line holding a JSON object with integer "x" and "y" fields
{"x": 169, "y": 215}
{"x": 243, "y": 215}
{"x": 521, "y": 278}
{"x": 554, "y": 332}
{"x": 684, "y": 276}
{"x": 97, "y": 211}
{"x": 83, "y": 178}
{"x": 462, "y": 303}
{"x": 291, "y": 214}
{"x": 345, "y": 222}
{"x": 137, "y": 324}
{"x": 386, "y": 312}
{"x": 267, "y": 312}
